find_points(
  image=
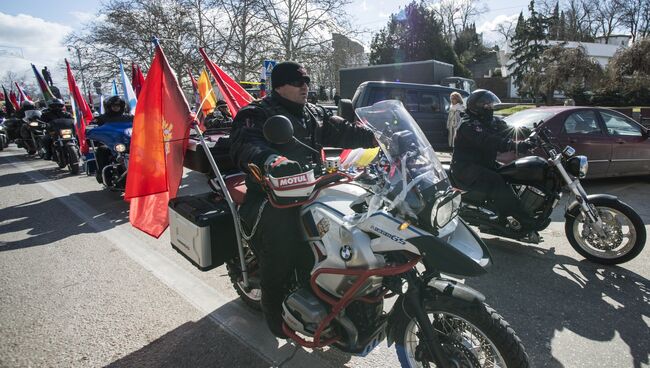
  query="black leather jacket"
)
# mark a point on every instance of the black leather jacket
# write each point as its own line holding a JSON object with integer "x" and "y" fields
{"x": 311, "y": 125}
{"x": 478, "y": 142}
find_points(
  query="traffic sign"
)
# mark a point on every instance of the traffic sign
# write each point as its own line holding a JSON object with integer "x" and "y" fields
{"x": 268, "y": 66}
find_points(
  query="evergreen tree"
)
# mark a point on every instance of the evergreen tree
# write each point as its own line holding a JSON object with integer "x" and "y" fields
{"x": 413, "y": 34}
{"x": 528, "y": 45}
{"x": 469, "y": 45}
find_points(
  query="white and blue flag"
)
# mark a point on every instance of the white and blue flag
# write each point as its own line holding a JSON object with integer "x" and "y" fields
{"x": 129, "y": 94}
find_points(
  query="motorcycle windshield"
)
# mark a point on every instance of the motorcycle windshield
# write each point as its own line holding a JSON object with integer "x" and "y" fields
{"x": 415, "y": 171}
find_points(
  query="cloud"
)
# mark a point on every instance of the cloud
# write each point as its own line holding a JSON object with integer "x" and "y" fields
{"x": 37, "y": 41}
{"x": 488, "y": 27}
{"x": 83, "y": 17}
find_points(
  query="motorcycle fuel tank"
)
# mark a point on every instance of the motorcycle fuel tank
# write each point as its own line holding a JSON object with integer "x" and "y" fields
{"x": 525, "y": 170}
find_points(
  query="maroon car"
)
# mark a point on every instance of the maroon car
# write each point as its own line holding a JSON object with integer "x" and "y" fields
{"x": 614, "y": 144}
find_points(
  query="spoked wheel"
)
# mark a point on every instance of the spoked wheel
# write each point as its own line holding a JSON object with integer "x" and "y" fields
{"x": 252, "y": 296}
{"x": 623, "y": 237}
{"x": 472, "y": 335}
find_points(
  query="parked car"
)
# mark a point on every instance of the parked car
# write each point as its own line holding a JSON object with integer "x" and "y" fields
{"x": 614, "y": 144}
{"x": 427, "y": 103}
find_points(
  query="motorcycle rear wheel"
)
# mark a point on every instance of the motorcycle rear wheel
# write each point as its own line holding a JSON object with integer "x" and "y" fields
{"x": 626, "y": 234}
{"x": 253, "y": 296}
{"x": 472, "y": 334}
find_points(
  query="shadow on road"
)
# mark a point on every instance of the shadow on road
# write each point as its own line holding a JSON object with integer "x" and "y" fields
{"x": 206, "y": 343}
{"x": 559, "y": 293}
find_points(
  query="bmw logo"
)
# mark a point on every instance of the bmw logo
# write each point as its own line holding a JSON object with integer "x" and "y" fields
{"x": 346, "y": 252}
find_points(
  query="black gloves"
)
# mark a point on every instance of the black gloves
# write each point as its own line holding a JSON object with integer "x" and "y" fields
{"x": 523, "y": 146}
{"x": 279, "y": 166}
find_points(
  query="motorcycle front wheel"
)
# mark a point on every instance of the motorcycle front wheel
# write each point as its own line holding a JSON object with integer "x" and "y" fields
{"x": 252, "y": 296}
{"x": 624, "y": 238}
{"x": 73, "y": 158}
{"x": 471, "y": 334}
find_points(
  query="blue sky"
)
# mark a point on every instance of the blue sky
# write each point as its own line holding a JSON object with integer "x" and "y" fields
{"x": 40, "y": 30}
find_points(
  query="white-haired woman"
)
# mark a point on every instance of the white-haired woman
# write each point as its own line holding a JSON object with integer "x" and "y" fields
{"x": 453, "y": 119}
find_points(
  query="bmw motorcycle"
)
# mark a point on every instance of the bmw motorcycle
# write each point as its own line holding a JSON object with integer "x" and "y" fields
{"x": 600, "y": 227}
{"x": 65, "y": 146}
{"x": 111, "y": 141}
{"x": 391, "y": 231}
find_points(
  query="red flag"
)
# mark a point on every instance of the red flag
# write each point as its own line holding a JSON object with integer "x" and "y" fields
{"x": 161, "y": 128}
{"x": 12, "y": 98}
{"x": 86, "y": 113}
{"x": 137, "y": 79}
{"x": 235, "y": 95}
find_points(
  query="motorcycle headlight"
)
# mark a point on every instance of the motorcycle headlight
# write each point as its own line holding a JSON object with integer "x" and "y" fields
{"x": 120, "y": 148}
{"x": 33, "y": 123}
{"x": 445, "y": 209}
{"x": 578, "y": 166}
{"x": 65, "y": 133}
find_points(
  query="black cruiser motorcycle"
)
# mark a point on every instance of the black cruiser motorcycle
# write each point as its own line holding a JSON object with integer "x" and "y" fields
{"x": 600, "y": 227}
{"x": 65, "y": 147}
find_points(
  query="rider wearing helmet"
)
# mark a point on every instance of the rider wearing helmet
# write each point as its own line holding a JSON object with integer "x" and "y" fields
{"x": 55, "y": 110}
{"x": 25, "y": 106}
{"x": 473, "y": 167}
{"x": 114, "y": 112}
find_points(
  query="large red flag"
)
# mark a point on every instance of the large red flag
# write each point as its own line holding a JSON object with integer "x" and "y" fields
{"x": 161, "y": 129}
{"x": 235, "y": 95}
{"x": 84, "y": 109}
{"x": 22, "y": 93}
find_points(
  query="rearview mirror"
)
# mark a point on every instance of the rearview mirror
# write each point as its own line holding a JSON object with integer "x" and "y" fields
{"x": 278, "y": 129}
{"x": 346, "y": 110}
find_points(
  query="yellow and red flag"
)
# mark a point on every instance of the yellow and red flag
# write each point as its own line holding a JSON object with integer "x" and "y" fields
{"x": 234, "y": 94}
{"x": 206, "y": 94}
{"x": 161, "y": 128}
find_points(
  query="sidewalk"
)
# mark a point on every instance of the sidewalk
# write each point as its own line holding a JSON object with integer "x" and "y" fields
{"x": 444, "y": 157}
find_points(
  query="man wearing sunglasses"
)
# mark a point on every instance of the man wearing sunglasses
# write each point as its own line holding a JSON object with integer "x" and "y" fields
{"x": 277, "y": 241}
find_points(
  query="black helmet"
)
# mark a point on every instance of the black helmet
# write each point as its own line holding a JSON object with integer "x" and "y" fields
{"x": 56, "y": 104}
{"x": 27, "y": 105}
{"x": 480, "y": 103}
{"x": 114, "y": 100}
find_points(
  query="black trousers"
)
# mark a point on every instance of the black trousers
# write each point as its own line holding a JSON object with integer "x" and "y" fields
{"x": 102, "y": 158}
{"x": 490, "y": 184}
{"x": 281, "y": 252}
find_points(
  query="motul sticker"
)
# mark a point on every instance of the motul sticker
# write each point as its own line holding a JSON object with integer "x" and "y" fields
{"x": 289, "y": 181}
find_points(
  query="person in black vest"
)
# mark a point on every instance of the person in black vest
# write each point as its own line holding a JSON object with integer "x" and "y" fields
{"x": 473, "y": 166}
{"x": 278, "y": 242}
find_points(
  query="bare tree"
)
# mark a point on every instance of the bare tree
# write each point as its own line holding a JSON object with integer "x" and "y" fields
{"x": 506, "y": 29}
{"x": 635, "y": 16}
{"x": 608, "y": 17}
{"x": 300, "y": 27}
{"x": 457, "y": 15}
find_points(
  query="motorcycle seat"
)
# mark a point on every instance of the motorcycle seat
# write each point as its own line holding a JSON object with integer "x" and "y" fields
{"x": 236, "y": 185}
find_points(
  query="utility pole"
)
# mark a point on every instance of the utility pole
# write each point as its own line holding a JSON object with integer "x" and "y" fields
{"x": 81, "y": 70}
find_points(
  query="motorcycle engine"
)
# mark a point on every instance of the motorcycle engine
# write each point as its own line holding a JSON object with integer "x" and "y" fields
{"x": 532, "y": 198}
{"x": 303, "y": 312}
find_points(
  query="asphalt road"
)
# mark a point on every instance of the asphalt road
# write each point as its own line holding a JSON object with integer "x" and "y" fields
{"x": 79, "y": 287}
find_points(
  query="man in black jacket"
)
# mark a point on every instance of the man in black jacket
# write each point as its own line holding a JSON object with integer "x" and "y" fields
{"x": 480, "y": 137}
{"x": 278, "y": 241}
{"x": 55, "y": 110}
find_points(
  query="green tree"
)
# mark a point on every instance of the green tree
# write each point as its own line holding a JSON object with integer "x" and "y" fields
{"x": 469, "y": 45}
{"x": 413, "y": 34}
{"x": 528, "y": 44}
{"x": 628, "y": 75}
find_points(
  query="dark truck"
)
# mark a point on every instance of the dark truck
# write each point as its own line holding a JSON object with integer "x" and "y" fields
{"x": 428, "y": 104}
{"x": 425, "y": 72}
